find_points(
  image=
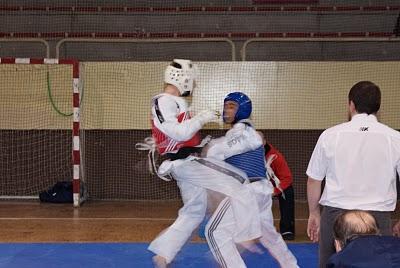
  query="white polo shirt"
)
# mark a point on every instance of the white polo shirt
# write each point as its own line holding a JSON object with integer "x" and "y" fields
{"x": 359, "y": 160}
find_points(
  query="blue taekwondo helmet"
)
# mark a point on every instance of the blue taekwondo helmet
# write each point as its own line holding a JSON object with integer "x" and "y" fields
{"x": 244, "y": 105}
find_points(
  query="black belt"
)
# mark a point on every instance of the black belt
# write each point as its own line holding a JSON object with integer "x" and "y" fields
{"x": 184, "y": 152}
{"x": 254, "y": 179}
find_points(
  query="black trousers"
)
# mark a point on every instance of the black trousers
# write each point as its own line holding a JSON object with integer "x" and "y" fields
{"x": 286, "y": 208}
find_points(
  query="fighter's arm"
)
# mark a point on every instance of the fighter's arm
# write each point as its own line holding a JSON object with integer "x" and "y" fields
{"x": 238, "y": 140}
{"x": 166, "y": 119}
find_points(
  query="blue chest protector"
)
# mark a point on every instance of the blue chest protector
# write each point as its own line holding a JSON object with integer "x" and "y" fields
{"x": 251, "y": 162}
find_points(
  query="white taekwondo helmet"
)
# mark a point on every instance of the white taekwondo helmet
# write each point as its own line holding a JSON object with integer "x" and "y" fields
{"x": 182, "y": 74}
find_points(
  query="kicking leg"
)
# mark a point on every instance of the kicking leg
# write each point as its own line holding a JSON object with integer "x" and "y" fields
{"x": 170, "y": 241}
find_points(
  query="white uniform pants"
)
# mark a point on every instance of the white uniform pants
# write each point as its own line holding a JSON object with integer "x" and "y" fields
{"x": 222, "y": 177}
{"x": 221, "y": 228}
{"x": 171, "y": 240}
{"x": 194, "y": 175}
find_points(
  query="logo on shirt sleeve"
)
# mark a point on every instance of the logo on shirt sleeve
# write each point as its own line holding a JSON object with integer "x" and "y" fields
{"x": 235, "y": 140}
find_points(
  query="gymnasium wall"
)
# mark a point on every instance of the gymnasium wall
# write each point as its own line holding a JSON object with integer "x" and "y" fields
{"x": 117, "y": 95}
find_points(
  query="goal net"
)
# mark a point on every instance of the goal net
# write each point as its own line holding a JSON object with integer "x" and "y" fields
{"x": 37, "y": 124}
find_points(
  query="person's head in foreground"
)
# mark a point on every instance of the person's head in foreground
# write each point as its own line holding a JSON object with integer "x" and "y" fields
{"x": 351, "y": 225}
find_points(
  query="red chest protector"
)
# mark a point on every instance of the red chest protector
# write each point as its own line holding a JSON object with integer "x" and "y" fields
{"x": 167, "y": 145}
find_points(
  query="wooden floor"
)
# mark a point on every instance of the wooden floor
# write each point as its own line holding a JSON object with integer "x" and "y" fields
{"x": 102, "y": 221}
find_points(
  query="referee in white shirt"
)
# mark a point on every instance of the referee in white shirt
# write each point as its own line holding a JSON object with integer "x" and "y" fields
{"x": 358, "y": 160}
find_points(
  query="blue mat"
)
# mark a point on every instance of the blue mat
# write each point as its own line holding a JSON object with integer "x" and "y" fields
{"x": 129, "y": 255}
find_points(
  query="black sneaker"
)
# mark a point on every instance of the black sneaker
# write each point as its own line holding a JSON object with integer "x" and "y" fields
{"x": 288, "y": 236}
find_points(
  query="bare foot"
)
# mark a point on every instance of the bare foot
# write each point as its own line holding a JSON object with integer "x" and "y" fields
{"x": 159, "y": 262}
